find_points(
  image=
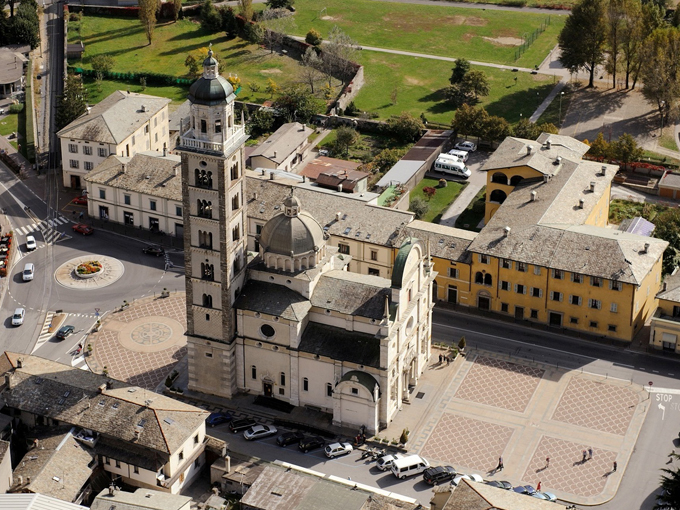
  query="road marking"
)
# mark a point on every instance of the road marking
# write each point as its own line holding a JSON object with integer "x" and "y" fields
{"x": 663, "y": 410}
{"x": 655, "y": 371}
{"x": 670, "y": 391}
{"x": 45, "y": 334}
{"x": 622, "y": 365}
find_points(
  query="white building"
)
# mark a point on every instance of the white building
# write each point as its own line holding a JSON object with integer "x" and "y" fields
{"x": 284, "y": 149}
{"x": 142, "y": 191}
{"x": 122, "y": 124}
{"x": 296, "y": 326}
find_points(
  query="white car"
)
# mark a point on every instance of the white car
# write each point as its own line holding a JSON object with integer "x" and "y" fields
{"x": 30, "y": 243}
{"x": 337, "y": 449}
{"x": 471, "y": 478}
{"x": 385, "y": 462}
{"x": 259, "y": 431}
{"x": 18, "y": 317}
{"x": 466, "y": 146}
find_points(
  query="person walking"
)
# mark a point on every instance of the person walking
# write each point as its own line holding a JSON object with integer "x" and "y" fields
{"x": 500, "y": 464}
{"x": 538, "y": 487}
{"x": 615, "y": 466}
{"x": 80, "y": 216}
{"x": 585, "y": 456}
{"x": 547, "y": 462}
{"x": 590, "y": 453}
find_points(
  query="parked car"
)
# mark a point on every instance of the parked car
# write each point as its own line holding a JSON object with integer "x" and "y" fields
{"x": 258, "y": 432}
{"x": 470, "y": 478}
{"x": 288, "y": 438}
{"x": 324, "y": 152}
{"x": 501, "y": 484}
{"x": 439, "y": 474}
{"x": 242, "y": 424}
{"x": 81, "y": 200}
{"x": 65, "y": 331}
{"x": 81, "y": 228}
{"x": 217, "y": 418}
{"x": 384, "y": 463}
{"x": 525, "y": 489}
{"x": 158, "y": 251}
{"x": 311, "y": 443}
{"x": 466, "y": 146}
{"x": 336, "y": 449}
{"x": 18, "y": 317}
{"x": 30, "y": 243}
{"x": 545, "y": 496}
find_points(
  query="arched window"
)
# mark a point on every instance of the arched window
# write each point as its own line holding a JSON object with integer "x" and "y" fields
{"x": 488, "y": 280}
{"x": 499, "y": 177}
{"x": 218, "y": 126}
{"x": 205, "y": 239}
{"x": 204, "y": 208}
{"x": 207, "y": 271}
{"x": 207, "y": 300}
{"x": 305, "y": 384}
{"x": 479, "y": 278}
{"x": 515, "y": 180}
{"x": 498, "y": 195}
{"x": 203, "y": 178}
{"x": 283, "y": 378}
{"x": 234, "y": 172}
{"x": 204, "y": 126}
{"x": 329, "y": 390}
{"x": 236, "y": 233}
{"x": 235, "y": 202}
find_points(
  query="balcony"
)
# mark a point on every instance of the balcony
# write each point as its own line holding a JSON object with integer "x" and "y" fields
{"x": 237, "y": 138}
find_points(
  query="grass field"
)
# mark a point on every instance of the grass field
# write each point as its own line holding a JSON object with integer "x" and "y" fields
{"x": 440, "y": 201}
{"x": 668, "y": 140}
{"x": 176, "y": 93}
{"x": 554, "y": 4}
{"x": 10, "y": 123}
{"x": 552, "y": 113}
{"x": 420, "y": 84}
{"x": 483, "y": 35}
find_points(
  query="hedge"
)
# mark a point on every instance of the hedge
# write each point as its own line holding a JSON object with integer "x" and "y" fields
{"x": 28, "y": 111}
{"x": 156, "y": 79}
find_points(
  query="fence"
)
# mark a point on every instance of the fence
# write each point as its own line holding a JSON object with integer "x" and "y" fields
{"x": 527, "y": 39}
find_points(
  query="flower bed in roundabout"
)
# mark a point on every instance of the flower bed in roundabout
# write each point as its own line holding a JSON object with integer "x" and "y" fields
{"x": 89, "y": 269}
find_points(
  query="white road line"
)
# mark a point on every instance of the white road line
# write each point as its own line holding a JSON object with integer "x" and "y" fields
{"x": 671, "y": 391}
{"x": 624, "y": 366}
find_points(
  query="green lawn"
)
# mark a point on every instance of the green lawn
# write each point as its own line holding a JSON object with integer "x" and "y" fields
{"x": 659, "y": 159}
{"x": 483, "y": 35}
{"x": 440, "y": 201}
{"x": 420, "y": 84}
{"x": 473, "y": 213}
{"x": 552, "y": 113}
{"x": 9, "y": 124}
{"x": 554, "y": 4}
{"x": 667, "y": 141}
{"x": 177, "y": 94}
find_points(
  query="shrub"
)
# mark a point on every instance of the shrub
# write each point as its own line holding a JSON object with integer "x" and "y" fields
{"x": 16, "y": 108}
{"x": 313, "y": 37}
{"x": 419, "y": 207}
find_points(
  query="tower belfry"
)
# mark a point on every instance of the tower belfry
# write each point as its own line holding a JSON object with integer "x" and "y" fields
{"x": 213, "y": 190}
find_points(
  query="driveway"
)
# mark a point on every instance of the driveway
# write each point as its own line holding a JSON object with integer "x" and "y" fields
{"x": 475, "y": 183}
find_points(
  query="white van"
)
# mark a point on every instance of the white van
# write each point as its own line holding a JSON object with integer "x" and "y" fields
{"x": 409, "y": 466}
{"x": 449, "y": 165}
{"x": 29, "y": 270}
{"x": 461, "y": 155}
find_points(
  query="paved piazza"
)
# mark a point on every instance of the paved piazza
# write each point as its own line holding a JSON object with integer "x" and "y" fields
{"x": 142, "y": 344}
{"x": 487, "y": 406}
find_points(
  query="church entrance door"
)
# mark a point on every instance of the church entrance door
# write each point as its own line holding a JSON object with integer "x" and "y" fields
{"x": 268, "y": 389}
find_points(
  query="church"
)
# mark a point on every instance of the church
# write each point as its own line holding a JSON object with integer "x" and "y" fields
{"x": 289, "y": 321}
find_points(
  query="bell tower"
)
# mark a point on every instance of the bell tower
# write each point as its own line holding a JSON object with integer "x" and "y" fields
{"x": 213, "y": 187}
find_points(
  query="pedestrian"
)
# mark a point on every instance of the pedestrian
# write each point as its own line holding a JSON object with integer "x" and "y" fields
{"x": 538, "y": 487}
{"x": 547, "y": 461}
{"x": 80, "y": 216}
{"x": 585, "y": 455}
{"x": 441, "y": 359}
{"x": 590, "y": 453}
{"x": 500, "y": 464}
{"x": 615, "y": 465}
{"x": 448, "y": 360}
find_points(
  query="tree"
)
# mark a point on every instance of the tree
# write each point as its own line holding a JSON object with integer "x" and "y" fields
{"x": 530, "y": 130}
{"x": 229, "y": 24}
{"x": 462, "y": 343}
{"x": 668, "y": 229}
{"x": 457, "y": 95}
{"x": 669, "y": 498}
{"x": 429, "y": 192}
{"x": 476, "y": 83}
{"x": 631, "y": 36}
{"x": 253, "y": 33}
{"x": 279, "y": 4}
{"x": 211, "y": 19}
{"x": 296, "y": 104}
{"x": 313, "y": 37}
{"x": 345, "y": 137}
{"x": 405, "y": 128}
{"x": 470, "y": 121}
{"x": 310, "y": 67}
{"x": 102, "y": 64}
{"x": 275, "y": 27}
{"x": 460, "y": 69}
{"x": 614, "y": 19}
{"x": 626, "y": 149}
{"x": 261, "y": 121}
{"x": 272, "y": 87}
{"x": 582, "y": 39}
{"x": 72, "y": 103}
{"x": 245, "y": 9}
{"x": 25, "y": 25}
{"x": 176, "y": 9}
{"x": 418, "y": 206}
{"x": 194, "y": 61}
{"x": 147, "y": 15}
{"x": 339, "y": 54}
{"x": 600, "y": 147}
{"x": 10, "y": 3}
{"x": 660, "y": 72}
{"x": 386, "y": 159}
{"x": 495, "y": 128}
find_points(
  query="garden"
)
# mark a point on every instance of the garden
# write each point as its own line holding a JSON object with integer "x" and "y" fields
{"x": 436, "y": 195}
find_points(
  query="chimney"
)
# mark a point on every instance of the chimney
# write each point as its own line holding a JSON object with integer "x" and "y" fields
{"x": 646, "y": 248}
{"x": 338, "y": 215}
{"x": 101, "y": 388}
{"x": 271, "y": 176}
{"x": 123, "y": 167}
{"x": 530, "y": 149}
{"x": 255, "y": 196}
{"x": 144, "y": 108}
{"x": 665, "y": 284}
{"x": 546, "y": 178}
{"x": 20, "y": 363}
{"x": 165, "y": 150}
{"x": 592, "y": 187}
{"x": 580, "y": 203}
{"x": 340, "y": 187}
{"x": 262, "y": 171}
{"x": 274, "y": 153}
{"x": 603, "y": 170}
{"x": 175, "y": 171}
{"x": 304, "y": 178}
{"x": 88, "y": 109}
{"x": 21, "y": 480}
{"x": 547, "y": 144}
{"x": 533, "y": 196}
{"x": 8, "y": 381}
{"x": 558, "y": 160}
{"x": 506, "y": 231}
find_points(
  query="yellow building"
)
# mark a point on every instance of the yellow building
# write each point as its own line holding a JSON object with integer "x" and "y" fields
{"x": 545, "y": 254}
{"x": 666, "y": 321}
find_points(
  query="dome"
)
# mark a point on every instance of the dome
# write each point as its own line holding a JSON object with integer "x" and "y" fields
{"x": 292, "y": 235}
{"x": 211, "y": 88}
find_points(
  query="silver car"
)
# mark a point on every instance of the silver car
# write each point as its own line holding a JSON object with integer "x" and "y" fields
{"x": 18, "y": 317}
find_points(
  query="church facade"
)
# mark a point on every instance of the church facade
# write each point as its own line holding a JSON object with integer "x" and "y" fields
{"x": 292, "y": 322}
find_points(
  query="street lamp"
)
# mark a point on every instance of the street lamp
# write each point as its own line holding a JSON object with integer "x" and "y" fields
{"x": 560, "y": 118}
{"x": 663, "y": 103}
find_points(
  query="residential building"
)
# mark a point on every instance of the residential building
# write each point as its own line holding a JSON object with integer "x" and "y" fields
{"x": 347, "y": 182}
{"x": 284, "y": 149}
{"x": 141, "y": 499}
{"x": 669, "y": 186}
{"x": 143, "y": 191}
{"x": 5, "y": 467}
{"x": 296, "y": 324}
{"x": 35, "y": 501}
{"x": 13, "y": 61}
{"x": 140, "y": 437}
{"x": 665, "y": 325}
{"x": 123, "y": 124}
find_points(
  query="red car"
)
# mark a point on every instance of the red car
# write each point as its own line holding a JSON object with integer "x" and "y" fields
{"x": 81, "y": 228}
{"x": 81, "y": 200}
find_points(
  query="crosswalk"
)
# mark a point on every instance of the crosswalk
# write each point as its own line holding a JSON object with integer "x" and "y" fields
{"x": 46, "y": 227}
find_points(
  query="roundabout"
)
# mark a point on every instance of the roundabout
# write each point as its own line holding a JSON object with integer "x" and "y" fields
{"x": 89, "y": 272}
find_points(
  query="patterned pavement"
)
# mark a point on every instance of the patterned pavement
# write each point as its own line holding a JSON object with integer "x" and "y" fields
{"x": 481, "y": 385}
{"x": 142, "y": 344}
{"x": 582, "y": 405}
